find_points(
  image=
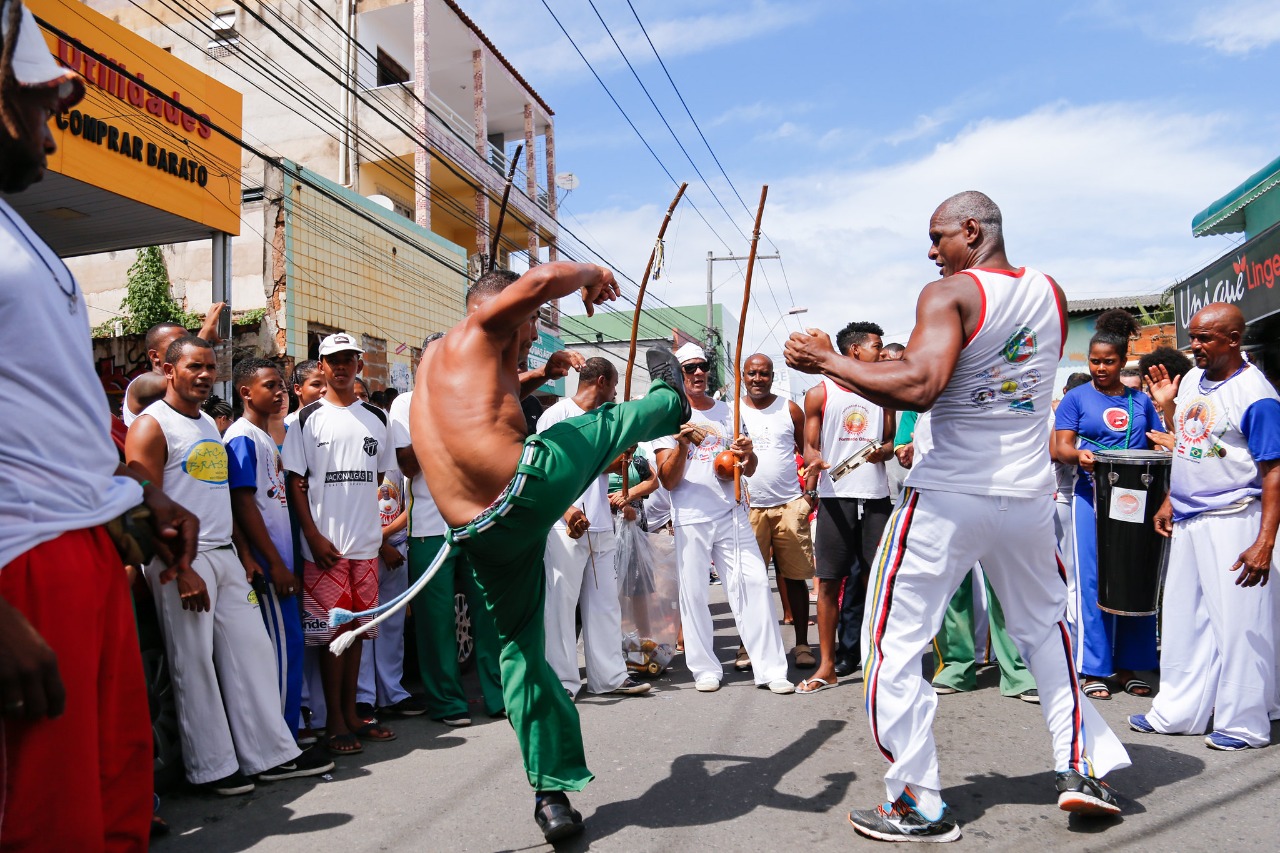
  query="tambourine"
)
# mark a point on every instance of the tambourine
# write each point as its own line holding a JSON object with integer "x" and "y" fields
{"x": 855, "y": 460}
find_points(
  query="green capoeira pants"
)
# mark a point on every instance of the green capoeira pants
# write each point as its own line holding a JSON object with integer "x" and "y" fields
{"x": 505, "y": 545}
{"x": 954, "y": 651}
{"x": 436, "y": 636}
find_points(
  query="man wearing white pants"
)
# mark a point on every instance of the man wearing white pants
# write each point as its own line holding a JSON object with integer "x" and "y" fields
{"x": 223, "y": 664}
{"x": 987, "y": 339}
{"x": 579, "y": 564}
{"x": 1219, "y": 644}
{"x": 711, "y": 527}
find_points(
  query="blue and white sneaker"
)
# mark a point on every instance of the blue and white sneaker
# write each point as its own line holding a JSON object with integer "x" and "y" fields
{"x": 1224, "y": 742}
{"x": 899, "y": 821}
{"x": 1138, "y": 722}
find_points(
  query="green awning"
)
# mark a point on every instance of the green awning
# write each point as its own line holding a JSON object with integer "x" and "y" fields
{"x": 1226, "y": 215}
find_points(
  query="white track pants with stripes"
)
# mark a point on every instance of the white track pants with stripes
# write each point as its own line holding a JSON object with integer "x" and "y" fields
{"x": 932, "y": 541}
{"x": 1219, "y": 647}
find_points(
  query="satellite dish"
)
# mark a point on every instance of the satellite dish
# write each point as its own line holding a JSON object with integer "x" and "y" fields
{"x": 382, "y": 201}
{"x": 567, "y": 181}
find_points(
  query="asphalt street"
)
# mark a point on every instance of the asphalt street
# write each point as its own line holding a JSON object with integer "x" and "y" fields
{"x": 741, "y": 769}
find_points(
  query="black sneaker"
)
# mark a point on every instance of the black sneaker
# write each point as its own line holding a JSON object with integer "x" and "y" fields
{"x": 409, "y": 706}
{"x": 230, "y": 786}
{"x": 664, "y": 365}
{"x": 309, "y": 763}
{"x": 632, "y": 687}
{"x": 1084, "y": 794}
{"x": 555, "y": 817}
{"x": 901, "y": 822}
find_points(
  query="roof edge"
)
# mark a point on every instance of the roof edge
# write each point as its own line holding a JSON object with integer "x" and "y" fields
{"x": 1206, "y": 221}
{"x": 466, "y": 19}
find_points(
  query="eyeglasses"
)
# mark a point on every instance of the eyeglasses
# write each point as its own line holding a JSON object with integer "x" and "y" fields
{"x": 695, "y": 366}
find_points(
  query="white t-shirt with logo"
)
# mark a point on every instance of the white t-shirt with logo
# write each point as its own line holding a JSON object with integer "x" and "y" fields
{"x": 702, "y": 496}
{"x": 424, "y": 517}
{"x": 1222, "y": 430}
{"x": 594, "y": 502}
{"x": 195, "y": 472}
{"x": 773, "y": 436}
{"x": 253, "y": 462}
{"x": 57, "y": 461}
{"x": 342, "y": 450}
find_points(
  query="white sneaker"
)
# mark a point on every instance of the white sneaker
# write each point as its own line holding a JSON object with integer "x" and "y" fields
{"x": 707, "y": 684}
{"x": 782, "y": 687}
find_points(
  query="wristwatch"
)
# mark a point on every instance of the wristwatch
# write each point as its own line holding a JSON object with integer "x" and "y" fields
{"x": 811, "y": 494}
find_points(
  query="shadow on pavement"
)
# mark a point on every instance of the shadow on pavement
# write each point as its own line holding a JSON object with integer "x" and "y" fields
{"x": 1153, "y": 767}
{"x": 712, "y": 788}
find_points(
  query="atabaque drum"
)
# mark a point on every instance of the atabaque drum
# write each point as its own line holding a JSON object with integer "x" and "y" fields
{"x": 1129, "y": 487}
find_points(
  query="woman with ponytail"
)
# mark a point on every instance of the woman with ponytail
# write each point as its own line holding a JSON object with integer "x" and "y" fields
{"x": 1104, "y": 415}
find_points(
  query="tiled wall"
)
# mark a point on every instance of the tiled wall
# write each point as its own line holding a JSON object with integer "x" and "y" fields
{"x": 386, "y": 279}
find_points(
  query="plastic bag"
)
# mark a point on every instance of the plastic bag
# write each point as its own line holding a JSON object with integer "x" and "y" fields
{"x": 649, "y": 593}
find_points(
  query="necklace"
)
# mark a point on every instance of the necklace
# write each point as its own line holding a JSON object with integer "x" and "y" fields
{"x": 1119, "y": 393}
{"x": 1217, "y": 385}
{"x": 70, "y": 294}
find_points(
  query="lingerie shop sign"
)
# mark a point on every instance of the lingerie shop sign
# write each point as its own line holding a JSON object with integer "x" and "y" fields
{"x": 1248, "y": 277}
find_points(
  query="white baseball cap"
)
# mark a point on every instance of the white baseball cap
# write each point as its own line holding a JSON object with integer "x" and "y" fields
{"x": 34, "y": 66}
{"x": 690, "y": 352}
{"x": 339, "y": 342}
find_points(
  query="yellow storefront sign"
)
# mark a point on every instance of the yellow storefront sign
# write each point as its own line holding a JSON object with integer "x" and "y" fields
{"x": 125, "y": 139}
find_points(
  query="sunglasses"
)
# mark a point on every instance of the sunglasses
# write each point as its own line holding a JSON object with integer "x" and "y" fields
{"x": 695, "y": 366}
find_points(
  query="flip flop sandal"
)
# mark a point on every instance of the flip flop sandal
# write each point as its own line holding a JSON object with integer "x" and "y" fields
{"x": 742, "y": 662}
{"x": 1137, "y": 687}
{"x": 808, "y": 685}
{"x": 346, "y": 744}
{"x": 373, "y": 731}
{"x": 1096, "y": 690}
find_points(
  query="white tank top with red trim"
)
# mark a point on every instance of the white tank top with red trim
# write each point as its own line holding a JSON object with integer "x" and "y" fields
{"x": 990, "y": 425}
{"x": 849, "y": 422}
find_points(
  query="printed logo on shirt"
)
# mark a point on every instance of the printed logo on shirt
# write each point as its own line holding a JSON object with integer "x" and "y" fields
{"x": 711, "y": 445}
{"x": 1021, "y": 346}
{"x": 388, "y": 501}
{"x": 1024, "y": 405}
{"x": 371, "y": 446}
{"x": 207, "y": 462}
{"x": 983, "y": 397}
{"x": 253, "y": 597}
{"x": 1196, "y": 421}
{"x": 1116, "y": 419}
{"x": 854, "y": 422}
{"x": 348, "y": 477}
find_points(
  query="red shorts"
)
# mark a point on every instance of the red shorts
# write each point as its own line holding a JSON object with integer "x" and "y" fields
{"x": 352, "y": 584}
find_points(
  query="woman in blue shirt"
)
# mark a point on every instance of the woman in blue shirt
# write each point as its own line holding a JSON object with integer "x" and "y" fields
{"x": 1104, "y": 415}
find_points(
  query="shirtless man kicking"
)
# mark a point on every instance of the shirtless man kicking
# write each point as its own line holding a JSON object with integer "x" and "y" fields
{"x": 500, "y": 492}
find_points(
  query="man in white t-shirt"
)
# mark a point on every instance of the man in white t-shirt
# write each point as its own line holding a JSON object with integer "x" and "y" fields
{"x": 76, "y": 739}
{"x": 779, "y": 511}
{"x": 340, "y": 446}
{"x": 434, "y": 615}
{"x": 709, "y": 526}
{"x": 579, "y": 563}
{"x": 225, "y": 680}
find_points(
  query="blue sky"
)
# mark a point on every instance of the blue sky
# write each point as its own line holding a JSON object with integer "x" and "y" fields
{"x": 1100, "y": 128}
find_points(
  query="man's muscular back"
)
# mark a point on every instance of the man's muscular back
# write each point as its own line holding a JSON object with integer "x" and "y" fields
{"x": 468, "y": 429}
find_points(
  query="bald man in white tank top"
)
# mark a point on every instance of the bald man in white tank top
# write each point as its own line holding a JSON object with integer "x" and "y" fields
{"x": 981, "y": 357}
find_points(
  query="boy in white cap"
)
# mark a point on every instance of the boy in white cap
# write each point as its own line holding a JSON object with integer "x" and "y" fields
{"x": 340, "y": 446}
{"x": 709, "y": 526}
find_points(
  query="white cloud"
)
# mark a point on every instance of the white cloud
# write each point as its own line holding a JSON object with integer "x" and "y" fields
{"x": 1234, "y": 27}
{"x": 528, "y": 36}
{"x": 1099, "y": 196}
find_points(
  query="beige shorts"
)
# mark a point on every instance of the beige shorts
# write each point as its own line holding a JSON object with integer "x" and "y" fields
{"x": 782, "y": 532}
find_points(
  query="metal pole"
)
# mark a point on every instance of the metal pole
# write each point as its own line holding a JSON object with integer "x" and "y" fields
{"x": 222, "y": 293}
{"x": 712, "y": 332}
{"x": 710, "y": 260}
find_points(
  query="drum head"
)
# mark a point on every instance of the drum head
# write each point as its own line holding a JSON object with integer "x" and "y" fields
{"x": 1133, "y": 457}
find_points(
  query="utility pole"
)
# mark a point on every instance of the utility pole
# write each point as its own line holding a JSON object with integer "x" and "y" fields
{"x": 712, "y": 331}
